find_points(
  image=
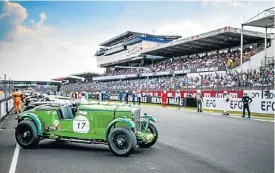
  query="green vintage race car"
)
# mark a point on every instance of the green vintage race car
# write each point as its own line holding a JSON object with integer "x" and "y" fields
{"x": 122, "y": 128}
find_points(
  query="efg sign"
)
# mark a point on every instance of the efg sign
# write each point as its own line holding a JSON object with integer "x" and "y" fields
{"x": 236, "y": 104}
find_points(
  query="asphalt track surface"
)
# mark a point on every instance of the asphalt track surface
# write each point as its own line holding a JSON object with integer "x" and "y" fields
{"x": 188, "y": 143}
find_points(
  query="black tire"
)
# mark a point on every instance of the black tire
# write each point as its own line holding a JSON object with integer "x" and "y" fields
{"x": 27, "y": 127}
{"x": 129, "y": 141}
{"x": 153, "y": 130}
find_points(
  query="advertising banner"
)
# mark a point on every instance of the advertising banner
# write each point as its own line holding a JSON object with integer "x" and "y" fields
{"x": 2, "y": 109}
{"x": 257, "y": 105}
{"x": 259, "y": 94}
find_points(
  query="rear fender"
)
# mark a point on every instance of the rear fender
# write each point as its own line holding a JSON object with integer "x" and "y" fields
{"x": 33, "y": 118}
{"x": 127, "y": 122}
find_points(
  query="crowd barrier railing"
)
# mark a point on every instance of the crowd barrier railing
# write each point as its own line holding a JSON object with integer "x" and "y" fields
{"x": 6, "y": 105}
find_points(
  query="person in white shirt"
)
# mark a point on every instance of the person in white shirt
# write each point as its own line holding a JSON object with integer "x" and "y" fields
{"x": 199, "y": 100}
{"x": 84, "y": 98}
{"x": 226, "y": 101}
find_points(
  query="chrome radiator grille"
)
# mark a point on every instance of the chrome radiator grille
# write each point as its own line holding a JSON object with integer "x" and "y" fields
{"x": 136, "y": 112}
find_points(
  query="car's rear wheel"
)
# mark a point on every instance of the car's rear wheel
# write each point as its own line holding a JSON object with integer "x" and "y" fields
{"x": 151, "y": 130}
{"x": 122, "y": 141}
{"x": 26, "y": 134}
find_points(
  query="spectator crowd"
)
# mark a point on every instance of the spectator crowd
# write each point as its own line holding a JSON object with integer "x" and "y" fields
{"x": 229, "y": 79}
{"x": 230, "y": 59}
{"x": 251, "y": 78}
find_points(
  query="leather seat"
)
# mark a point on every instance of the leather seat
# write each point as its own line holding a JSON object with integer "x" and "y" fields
{"x": 67, "y": 112}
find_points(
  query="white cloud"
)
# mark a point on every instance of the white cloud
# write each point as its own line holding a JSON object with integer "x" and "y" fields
{"x": 221, "y": 14}
{"x": 40, "y": 52}
{"x": 182, "y": 28}
{"x": 223, "y": 3}
{"x": 18, "y": 12}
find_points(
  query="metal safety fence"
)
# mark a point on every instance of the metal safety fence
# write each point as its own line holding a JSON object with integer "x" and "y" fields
{"x": 6, "y": 105}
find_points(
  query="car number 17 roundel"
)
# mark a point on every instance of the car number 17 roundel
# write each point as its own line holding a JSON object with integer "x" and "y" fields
{"x": 81, "y": 124}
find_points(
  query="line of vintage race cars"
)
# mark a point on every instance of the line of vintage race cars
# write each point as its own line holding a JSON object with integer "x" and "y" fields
{"x": 120, "y": 126}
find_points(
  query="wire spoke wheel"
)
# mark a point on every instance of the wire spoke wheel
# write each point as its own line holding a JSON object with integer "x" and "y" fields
{"x": 25, "y": 135}
{"x": 122, "y": 141}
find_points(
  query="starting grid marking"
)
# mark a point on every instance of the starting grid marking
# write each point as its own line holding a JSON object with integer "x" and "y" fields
{"x": 14, "y": 159}
{"x": 16, "y": 150}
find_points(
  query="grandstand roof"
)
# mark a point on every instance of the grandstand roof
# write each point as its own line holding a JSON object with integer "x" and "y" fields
{"x": 214, "y": 40}
{"x": 87, "y": 74}
{"x": 265, "y": 21}
{"x": 127, "y": 34}
{"x": 35, "y": 82}
{"x": 67, "y": 78}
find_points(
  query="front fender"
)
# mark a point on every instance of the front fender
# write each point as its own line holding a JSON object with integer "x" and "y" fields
{"x": 34, "y": 118}
{"x": 129, "y": 124}
{"x": 148, "y": 118}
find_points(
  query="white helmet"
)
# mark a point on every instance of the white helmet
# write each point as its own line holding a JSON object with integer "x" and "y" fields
{"x": 225, "y": 92}
{"x": 198, "y": 91}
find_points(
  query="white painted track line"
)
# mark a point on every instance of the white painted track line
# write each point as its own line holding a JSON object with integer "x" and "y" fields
{"x": 14, "y": 159}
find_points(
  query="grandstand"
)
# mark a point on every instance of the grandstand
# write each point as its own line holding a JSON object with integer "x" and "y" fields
{"x": 216, "y": 50}
{"x": 69, "y": 79}
{"x": 88, "y": 76}
{"x": 208, "y": 60}
{"x": 40, "y": 86}
{"x": 223, "y": 38}
{"x": 127, "y": 47}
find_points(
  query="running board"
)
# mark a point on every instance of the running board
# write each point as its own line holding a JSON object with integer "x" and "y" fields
{"x": 83, "y": 141}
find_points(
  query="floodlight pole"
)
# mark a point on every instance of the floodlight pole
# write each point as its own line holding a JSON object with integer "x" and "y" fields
{"x": 5, "y": 81}
{"x": 265, "y": 45}
{"x": 242, "y": 48}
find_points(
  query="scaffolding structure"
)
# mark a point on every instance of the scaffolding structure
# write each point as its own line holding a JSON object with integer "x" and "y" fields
{"x": 265, "y": 20}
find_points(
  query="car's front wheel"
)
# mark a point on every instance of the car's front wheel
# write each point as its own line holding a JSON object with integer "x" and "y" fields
{"x": 26, "y": 134}
{"x": 151, "y": 130}
{"x": 122, "y": 141}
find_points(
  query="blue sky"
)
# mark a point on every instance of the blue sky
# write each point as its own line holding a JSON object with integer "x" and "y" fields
{"x": 67, "y": 14}
{"x": 63, "y": 36}
{"x": 97, "y": 15}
